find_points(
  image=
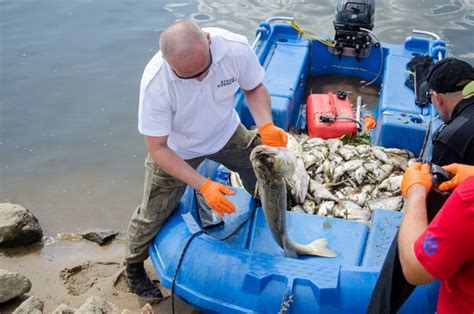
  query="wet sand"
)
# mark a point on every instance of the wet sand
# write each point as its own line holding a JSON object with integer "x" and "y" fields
{"x": 70, "y": 271}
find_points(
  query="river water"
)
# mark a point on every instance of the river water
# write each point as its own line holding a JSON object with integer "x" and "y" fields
{"x": 69, "y": 77}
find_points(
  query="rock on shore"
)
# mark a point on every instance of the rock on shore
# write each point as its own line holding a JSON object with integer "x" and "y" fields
{"x": 12, "y": 285}
{"x": 32, "y": 305}
{"x": 18, "y": 227}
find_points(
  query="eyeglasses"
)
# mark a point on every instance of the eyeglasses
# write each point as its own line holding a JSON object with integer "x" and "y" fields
{"x": 198, "y": 74}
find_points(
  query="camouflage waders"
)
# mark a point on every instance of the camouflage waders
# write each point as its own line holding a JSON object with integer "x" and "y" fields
{"x": 162, "y": 192}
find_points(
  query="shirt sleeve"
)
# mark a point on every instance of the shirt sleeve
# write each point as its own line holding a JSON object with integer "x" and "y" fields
{"x": 252, "y": 72}
{"x": 447, "y": 242}
{"x": 154, "y": 114}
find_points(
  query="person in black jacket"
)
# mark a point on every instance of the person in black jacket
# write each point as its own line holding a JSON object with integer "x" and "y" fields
{"x": 450, "y": 88}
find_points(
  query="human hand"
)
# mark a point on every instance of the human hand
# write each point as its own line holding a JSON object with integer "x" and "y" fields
{"x": 272, "y": 135}
{"x": 461, "y": 173}
{"x": 416, "y": 174}
{"x": 213, "y": 193}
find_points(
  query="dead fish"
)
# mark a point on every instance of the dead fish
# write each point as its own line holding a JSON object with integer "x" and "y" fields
{"x": 271, "y": 166}
{"x": 400, "y": 161}
{"x": 309, "y": 206}
{"x": 390, "y": 203}
{"x": 380, "y": 155}
{"x": 326, "y": 208}
{"x": 346, "y": 152}
{"x": 333, "y": 144}
{"x": 391, "y": 184}
{"x": 294, "y": 146}
{"x": 319, "y": 192}
{"x": 363, "y": 149}
{"x": 312, "y": 142}
{"x": 298, "y": 209}
{"x": 338, "y": 173}
{"x": 352, "y": 165}
{"x": 360, "y": 174}
{"x": 309, "y": 160}
{"x": 355, "y": 212}
{"x": 298, "y": 183}
{"x": 397, "y": 151}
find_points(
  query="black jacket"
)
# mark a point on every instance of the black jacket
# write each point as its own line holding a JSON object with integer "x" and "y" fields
{"x": 453, "y": 141}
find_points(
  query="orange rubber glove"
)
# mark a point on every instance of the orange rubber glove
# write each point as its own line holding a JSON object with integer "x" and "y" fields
{"x": 272, "y": 135}
{"x": 213, "y": 193}
{"x": 461, "y": 173}
{"x": 416, "y": 174}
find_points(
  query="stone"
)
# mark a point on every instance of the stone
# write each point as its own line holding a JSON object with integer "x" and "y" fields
{"x": 18, "y": 226}
{"x": 32, "y": 305}
{"x": 99, "y": 236}
{"x": 97, "y": 305}
{"x": 64, "y": 309}
{"x": 12, "y": 285}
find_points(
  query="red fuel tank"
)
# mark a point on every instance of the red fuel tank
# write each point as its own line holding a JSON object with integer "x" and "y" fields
{"x": 328, "y": 116}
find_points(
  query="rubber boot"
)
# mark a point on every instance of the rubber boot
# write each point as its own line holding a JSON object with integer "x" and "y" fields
{"x": 140, "y": 284}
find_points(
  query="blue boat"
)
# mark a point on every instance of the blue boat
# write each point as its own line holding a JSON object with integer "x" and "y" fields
{"x": 238, "y": 267}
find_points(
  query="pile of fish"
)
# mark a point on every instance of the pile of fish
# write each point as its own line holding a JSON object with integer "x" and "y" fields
{"x": 345, "y": 180}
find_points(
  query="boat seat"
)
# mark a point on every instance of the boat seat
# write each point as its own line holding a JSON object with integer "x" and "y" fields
{"x": 402, "y": 122}
{"x": 395, "y": 97}
{"x": 385, "y": 225}
{"x": 286, "y": 69}
{"x": 269, "y": 270}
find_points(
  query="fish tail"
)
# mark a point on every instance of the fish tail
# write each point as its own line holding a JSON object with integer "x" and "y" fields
{"x": 290, "y": 253}
{"x": 317, "y": 248}
{"x": 320, "y": 247}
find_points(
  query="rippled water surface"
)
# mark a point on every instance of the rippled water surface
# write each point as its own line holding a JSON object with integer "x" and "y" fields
{"x": 69, "y": 77}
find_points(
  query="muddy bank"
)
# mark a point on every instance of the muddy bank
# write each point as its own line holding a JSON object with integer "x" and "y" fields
{"x": 70, "y": 271}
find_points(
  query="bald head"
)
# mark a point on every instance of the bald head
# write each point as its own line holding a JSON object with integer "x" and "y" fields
{"x": 186, "y": 48}
{"x": 183, "y": 40}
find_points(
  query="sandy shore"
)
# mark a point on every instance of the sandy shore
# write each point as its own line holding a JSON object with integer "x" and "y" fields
{"x": 70, "y": 271}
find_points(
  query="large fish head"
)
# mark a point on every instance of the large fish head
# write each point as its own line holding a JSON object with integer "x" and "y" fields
{"x": 271, "y": 163}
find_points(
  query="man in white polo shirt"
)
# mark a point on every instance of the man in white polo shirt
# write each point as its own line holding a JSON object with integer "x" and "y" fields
{"x": 186, "y": 114}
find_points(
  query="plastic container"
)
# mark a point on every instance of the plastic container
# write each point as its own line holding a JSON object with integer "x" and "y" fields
{"x": 329, "y": 116}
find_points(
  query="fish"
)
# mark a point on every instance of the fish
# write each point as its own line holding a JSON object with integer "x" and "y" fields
{"x": 390, "y": 203}
{"x": 272, "y": 166}
{"x": 298, "y": 183}
{"x": 338, "y": 172}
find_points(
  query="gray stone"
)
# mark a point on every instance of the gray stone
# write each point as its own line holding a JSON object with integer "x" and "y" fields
{"x": 99, "y": 236}
{"x": 32, "y": 305}
{"x": 18, "y": 226}
{"x": 64, "y": 309}
{"x": 97, "y": 305}
{"x": 12, "y": 285}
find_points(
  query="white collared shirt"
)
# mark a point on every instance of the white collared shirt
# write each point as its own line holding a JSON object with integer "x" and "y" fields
{"x": 198, "y": 116}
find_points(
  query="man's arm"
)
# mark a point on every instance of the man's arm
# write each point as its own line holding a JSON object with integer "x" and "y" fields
{"x": 259, "y": 105}
{"x": 166, "y": 159}
{"x": 258, "y": 100}
{"x": 413, "y": 225}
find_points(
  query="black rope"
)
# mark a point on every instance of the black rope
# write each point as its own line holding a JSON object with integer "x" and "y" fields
{"x": 179, "y": 264}
{"x": 197, "y": 233}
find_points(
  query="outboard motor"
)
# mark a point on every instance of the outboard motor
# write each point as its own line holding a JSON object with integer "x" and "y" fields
{"x": 353, "y": 24}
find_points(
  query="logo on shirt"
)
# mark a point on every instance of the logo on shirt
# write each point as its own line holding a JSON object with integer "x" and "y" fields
{"x": 227, "y": 82}
{"x": 430, "y": 244}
